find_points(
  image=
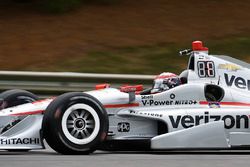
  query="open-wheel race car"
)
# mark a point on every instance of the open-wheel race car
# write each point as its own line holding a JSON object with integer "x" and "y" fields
{"x": 206, "y": 107}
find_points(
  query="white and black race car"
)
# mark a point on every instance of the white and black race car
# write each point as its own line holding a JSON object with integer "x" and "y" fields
{"x": 209, "y": 110}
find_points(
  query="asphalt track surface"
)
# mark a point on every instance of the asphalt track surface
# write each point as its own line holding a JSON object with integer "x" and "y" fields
{"x": 48, "y": 157}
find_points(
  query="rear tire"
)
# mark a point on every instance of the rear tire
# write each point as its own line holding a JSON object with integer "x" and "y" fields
{"x": 75, "y": 123}
{"x": 16, "y": 97}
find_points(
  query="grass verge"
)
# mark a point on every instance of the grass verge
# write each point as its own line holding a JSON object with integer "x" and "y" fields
{"x": 152, "y": 59}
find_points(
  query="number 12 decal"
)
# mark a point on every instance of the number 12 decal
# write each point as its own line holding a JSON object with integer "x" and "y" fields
{"x": 206, "y": 69}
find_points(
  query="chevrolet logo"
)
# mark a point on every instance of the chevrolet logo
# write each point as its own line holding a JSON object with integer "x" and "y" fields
{"x": 229, "y": 67}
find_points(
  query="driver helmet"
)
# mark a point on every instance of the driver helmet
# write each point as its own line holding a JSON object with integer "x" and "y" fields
{"x": 165, "y": 81}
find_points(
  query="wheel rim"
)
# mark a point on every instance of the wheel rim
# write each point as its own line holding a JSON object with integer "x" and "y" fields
{"x": 80, "y": 124}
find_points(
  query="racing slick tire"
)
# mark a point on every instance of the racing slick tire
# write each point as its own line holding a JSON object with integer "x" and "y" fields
{"x": 16, "y": 97}
{"x": 75, "y": 123}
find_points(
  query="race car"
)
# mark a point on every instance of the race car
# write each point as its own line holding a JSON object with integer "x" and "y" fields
{"x": 209, "y": 108}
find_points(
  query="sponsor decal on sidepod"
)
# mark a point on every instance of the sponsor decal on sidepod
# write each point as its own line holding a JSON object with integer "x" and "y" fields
{"x": 16, "y": 141}
{"x": 149, "y": 101}
{"x": 187, "y": 121}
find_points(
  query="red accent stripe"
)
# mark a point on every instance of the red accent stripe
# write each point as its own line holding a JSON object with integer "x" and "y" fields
{"x": 121, "y": 105}
{"x": 39, "y": 101}
{"x": 28, "y": 113}
{"x": 106, "y": 106}
{"x": 204, "y": 103}
{"x": 43, "y": 100}
{"x": 227, "y": 103}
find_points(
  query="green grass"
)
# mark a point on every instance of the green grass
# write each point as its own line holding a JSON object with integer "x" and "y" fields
{"x": 152, "y": 59}
{"x": 137, "y": 60}
{"x": 237, "y": 47}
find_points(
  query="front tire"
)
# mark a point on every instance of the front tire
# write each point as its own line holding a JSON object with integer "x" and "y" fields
{"x": 75, "y": 123}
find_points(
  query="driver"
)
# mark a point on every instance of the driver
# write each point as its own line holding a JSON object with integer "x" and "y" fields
{"x": 165, "y": 81}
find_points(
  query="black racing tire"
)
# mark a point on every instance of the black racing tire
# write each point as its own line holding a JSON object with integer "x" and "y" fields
{"x": 16, "y": 97}
{"x": 75, "y": 123}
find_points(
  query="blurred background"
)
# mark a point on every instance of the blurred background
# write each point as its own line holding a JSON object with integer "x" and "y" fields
{"x": 118, "y": 36}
